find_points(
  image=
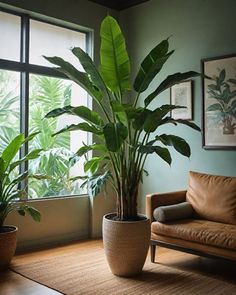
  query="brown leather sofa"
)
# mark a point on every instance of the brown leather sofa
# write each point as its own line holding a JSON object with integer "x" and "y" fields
{"x": 211, "y": 231}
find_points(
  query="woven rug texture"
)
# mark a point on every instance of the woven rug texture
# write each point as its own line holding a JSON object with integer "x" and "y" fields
{"x": 84, "y": 271}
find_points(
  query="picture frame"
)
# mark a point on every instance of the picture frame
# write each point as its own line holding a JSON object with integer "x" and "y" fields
{"x": 219, "y": 103}
{"x": 181, "y": 94}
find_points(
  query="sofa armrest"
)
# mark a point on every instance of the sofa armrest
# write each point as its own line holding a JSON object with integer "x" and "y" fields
{"x": 156, "y": 200}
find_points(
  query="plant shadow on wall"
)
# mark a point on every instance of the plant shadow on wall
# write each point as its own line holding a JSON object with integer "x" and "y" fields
{"x": 124, "y": 133}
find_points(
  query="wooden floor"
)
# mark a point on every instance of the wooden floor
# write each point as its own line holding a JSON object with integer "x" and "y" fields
{"x": 15, "y": 284}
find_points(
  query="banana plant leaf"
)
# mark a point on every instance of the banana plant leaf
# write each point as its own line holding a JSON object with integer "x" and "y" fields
{"x": 169, "y": 120}
{"x": 160, "y": 151}
{"x": 151, "y": 66}
{"x": 97, "y": 182}
{"x": 12, "y": 149}
{"x": 80, "y": 111}
{"x": 78, "y": 77}
{"x": 81, "y": 126}
{"x": 90, "y": 68}
{"x": 34, "y": 213}
{"x": 93, "y": 164}
{"x": 30, "y": 156}
{"x": 177, "y": 142}
{"x": 115, "y": 64}
{"x": 154, "y": 118}
{"x": 115, "y": 134}
{"x": 168, "y": 82}
{"x": 95, "y": 147}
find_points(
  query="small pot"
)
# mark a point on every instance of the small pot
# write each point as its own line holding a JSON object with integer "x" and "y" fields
{"x": 8, "y": 240}
{"x": 126, "y": 244}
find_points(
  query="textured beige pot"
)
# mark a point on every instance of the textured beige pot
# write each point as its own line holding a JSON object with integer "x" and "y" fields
{"x": 7, "y": 245}
{"x": 126, "y": 245}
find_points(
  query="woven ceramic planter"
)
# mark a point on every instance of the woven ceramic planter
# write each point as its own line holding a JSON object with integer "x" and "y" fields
{"x": 7, "y": 245}
{"x": 126, "y": 245}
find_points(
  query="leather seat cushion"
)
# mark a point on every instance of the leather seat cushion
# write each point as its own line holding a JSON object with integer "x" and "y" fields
{"x": 213, "y": 197}
{"x": 199, "y": 231}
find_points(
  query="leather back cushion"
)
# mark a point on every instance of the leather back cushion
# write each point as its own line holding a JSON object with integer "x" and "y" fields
{"x": 213, "y": 197}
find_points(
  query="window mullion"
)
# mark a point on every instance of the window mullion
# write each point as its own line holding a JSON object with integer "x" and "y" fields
{"x": 24, "y": 90}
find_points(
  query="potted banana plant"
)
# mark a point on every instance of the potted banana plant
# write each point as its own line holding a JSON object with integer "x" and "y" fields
{"x": 125, "y": 133}
{"x": 11, "y": 194}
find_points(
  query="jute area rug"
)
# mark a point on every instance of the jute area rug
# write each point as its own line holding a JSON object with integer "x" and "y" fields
{"x": 83, "y": 270}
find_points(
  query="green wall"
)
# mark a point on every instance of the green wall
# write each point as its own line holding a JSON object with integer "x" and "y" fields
{"x": 198, "y": 29}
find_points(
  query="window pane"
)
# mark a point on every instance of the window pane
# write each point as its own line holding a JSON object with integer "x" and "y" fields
{"x": 47, "y": 93}
{"x": 9, "y": 107}
{"x": 10, "y": 36}
{"x": 9, "y": 111}
{"x": 50, "y": 40}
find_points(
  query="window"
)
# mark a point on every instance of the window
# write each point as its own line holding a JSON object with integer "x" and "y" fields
{"x": 29, "y": 89}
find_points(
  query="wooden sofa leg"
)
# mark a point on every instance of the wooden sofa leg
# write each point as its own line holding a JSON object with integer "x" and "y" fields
{"x": 153, "y": 252}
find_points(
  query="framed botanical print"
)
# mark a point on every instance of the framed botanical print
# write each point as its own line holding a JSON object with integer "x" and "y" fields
{"x": 181, "y": 95}
{"x": 219, "y": 102}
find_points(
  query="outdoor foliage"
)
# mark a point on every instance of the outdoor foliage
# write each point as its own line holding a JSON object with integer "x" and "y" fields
{"x": 123, "y": 132}
{"x": 55, "y": 158}
{"x": 47, "y": 93}
{"x": 9, "y": 108}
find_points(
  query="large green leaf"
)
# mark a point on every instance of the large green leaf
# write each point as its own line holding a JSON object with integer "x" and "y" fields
{"x": 89, "y": 68}
{"x": 2, "y": 165}
{"x": 140, "y": 118}
{"x": 160, "y": 151}
{"x": 60, "y": 111}
{"x": 81, "y": 126}
{"x": 168, "y": 120}
{"x": 31, "y": 136}
{"x": 115, "y": 134}
{"x": 93, "y": 164}
{"x": 115, "y": 64}
{"x": 83, "y": 150}
{"x": 78, "y": 77}
{"x": 164, "y": 154}
{"x": 34, "y": 213}
{"x": 81, "y": 111}
{"x": 125, "y": 112}
{"x": 177, "y": 142}
{"x": 153, "y": 120}
{"x": 20, "y": 177}
{"x": 88, "y": 115}
{"x": 151, "y": 66}
{"x": 30, "y": 156}
{"x": 96, "y": 183}
{"x": 168, "y": 82}
{"x": 94, "y": 147}
{"x": 12, "y": 149}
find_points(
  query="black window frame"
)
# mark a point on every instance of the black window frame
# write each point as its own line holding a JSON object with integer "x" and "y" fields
{"x": 24, "y": 68}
